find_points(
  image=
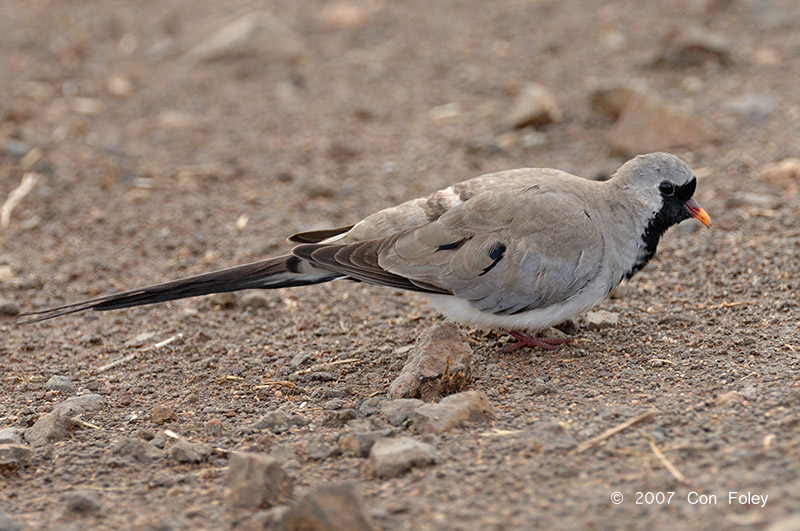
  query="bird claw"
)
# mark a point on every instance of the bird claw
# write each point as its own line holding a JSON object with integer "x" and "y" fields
{"x": 545, "y": 343}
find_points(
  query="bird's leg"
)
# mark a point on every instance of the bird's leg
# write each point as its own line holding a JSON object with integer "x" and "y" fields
{"x": 525, "y": 340}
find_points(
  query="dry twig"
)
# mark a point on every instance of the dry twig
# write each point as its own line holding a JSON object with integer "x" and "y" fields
{"x": 594, "y": 441}
{"x": 664, "y": 461}
{"x": 132, "y": 355}
{"x": 16, "y": 196}
{"x": 324, "y": 366}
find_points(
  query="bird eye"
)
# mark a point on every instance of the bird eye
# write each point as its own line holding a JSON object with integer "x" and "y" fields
{"x": 666, "y": 188}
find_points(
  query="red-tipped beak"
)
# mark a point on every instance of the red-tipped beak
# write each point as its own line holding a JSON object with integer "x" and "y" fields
{"x": 698, "y": 213}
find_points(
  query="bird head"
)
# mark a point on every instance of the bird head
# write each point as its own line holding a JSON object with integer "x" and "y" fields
{"x": 665, "y": 184}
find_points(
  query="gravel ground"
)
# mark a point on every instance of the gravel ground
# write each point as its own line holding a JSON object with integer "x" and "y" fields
{"x": 161, "y": 148}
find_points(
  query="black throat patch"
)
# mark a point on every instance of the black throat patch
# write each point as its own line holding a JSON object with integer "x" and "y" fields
{"x": 673, "y": 211}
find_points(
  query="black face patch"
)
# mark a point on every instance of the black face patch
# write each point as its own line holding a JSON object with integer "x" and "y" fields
{"x": 673, "y": 211}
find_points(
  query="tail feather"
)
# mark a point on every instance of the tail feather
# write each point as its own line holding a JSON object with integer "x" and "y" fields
{"x": 280, "y": 272}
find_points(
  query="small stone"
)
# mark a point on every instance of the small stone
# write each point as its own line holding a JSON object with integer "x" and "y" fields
{"x": 451, "y": 412}
{"x": 731, "y": 397}
{"x": 535, "y": 106}
{"x": 16, "y": 148}
{"x": 319, "y": 449}
{"x": 298, "y": 359}
{"x": 257, "y": 299}
{"x": 214, "y": 427}
{"x": 185, "y": 452}
{"x": 80, "y": 405}
{"x": 49, "y": 428}
{"x": 785, "y": 172}
{"x": 649, "y": 124}
{"x": 599, "y": 319}
{"x": 342, "y": 14}
{"x": 161, "y": 414}
{"x": 622, "y": 291}
{"x": 137, "y": 449}
{"x": 328, "y": 508}
{"x": 9, "y": 308}
{"x": 253, "y": 35}
{"x": 359, "y": 443}
{"x": 753, "y": 106}
{"x": 693, "y": 45}
{"x": 440, "y": 362}
{"x": 81, "y": 503}
{"x": 14, "y": 455}
{"x": 256, "y": 481}
{"x": 611, "y": 100}
{"x": 224, "y": 300}
{"x": 7, "y": 524}
{"x": 60, "y": 383}
{"x": 391, "y": 457}
{"x": 545, "y": 436}
{"x": 278, "y": 421}
{"x": 397, "y": 411}
{"x": 10, "y": 435}
{"x": 140, "y": 339}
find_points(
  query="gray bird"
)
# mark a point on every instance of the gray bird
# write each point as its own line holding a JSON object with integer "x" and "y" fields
{"x": 519, "y": 250}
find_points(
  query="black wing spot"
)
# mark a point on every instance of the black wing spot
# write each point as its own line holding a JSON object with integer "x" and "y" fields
{"x": 587, "y": 214}
{"x": 293, "y": 264}
{"x": 451, "y": 246}
{"x": 495, "y": 253}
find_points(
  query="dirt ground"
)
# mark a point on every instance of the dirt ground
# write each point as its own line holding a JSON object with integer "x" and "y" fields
{"x": 160, "y": 154}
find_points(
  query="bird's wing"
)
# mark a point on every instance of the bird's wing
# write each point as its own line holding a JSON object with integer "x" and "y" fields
{"x": 505, "y": 250}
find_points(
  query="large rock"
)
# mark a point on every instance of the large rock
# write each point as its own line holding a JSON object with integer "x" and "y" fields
{"x": 690, "y": 45}
{"x": 328, "y": 508}
{"x": 451, "y": 412}
{"x": 184, "y": 451}
{"x": 14, "y": 455}
{"x": 397, "y": 411}
{"x": 137, "y": 450}
{"x": 649, "y": 124}
{"x": 80, "y": 405}
{"x": 439, "y": 363}
{"x": 10, "y": 435}
{"x": 391, "y": 457}
{"x": 256, "y": 481}
{"x": 49, "y": 428}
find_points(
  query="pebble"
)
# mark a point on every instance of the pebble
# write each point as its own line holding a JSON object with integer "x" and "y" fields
{"x": 161, "y": 414}
{"x": 731, "y": 397}
{"x": 534, "y": 105}
{"x": 256, "y": 481}
{"x": 359, "y": 443}
{"x": 599, "y": 319}
{"x": 49, "y": 428}
{"x": 254, "y": 34}
{"x": 183, "y": 451}
{"x": 397, "y": 411}
{"x": 647, "y": 123}
{"x": 391, "y": 457}
{"x": 9, "y": 308}
{"x": 80, "y": 405}
{"x": 10, "y": 435}
{"x": 451, "y": 412}
{"x": 81, "y": 503}
{"x": 257, "y": 299}
{"x": 440, "y": 362}
{"x": 16, "y": 148}
{"x": 60, "y": 383}
{"x": 328, "y": 508}
{"x": 7, "y": 524}
{"x": 545, "y": 436}
{"x": 786, "y": 171}
{"x": 694, "y": 45}
{"x": 137, "y": 450}
{"x": 14, "y": 455}
{"x": 610, "y": 100}
{"x": 214, "y": 427}
{"x": 319, "y": 449}
{"x": 224, "y": 300}
{"x": 279, "y": 421}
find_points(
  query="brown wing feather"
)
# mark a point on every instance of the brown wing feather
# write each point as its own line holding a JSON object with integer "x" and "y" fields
{"x": 316, "y": 236}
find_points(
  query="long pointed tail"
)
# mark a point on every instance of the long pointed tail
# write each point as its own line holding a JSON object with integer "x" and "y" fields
{"x": 279, "y": 272}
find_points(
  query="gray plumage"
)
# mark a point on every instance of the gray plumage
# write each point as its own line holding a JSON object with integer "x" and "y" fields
{"x": 519, "y": 250}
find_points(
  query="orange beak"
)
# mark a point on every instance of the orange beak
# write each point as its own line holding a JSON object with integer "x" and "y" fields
{"x": 698, "y": 213}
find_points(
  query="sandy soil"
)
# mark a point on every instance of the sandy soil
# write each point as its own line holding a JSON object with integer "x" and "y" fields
{"x": 158, "y": 158}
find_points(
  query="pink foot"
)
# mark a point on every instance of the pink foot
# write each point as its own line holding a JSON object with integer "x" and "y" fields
{"x": 524, "y": 340}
